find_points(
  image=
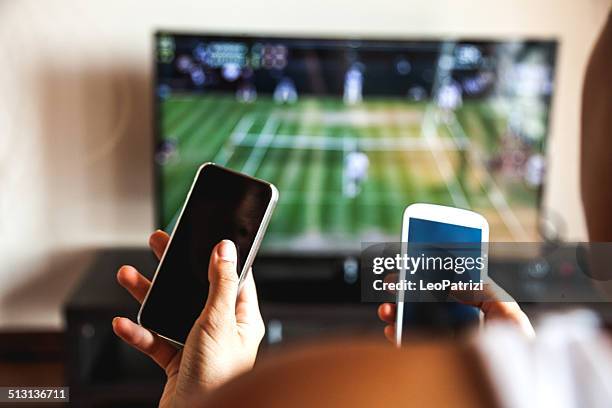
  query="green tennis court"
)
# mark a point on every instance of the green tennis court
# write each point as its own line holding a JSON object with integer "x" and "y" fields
{"x": 415, "y": 154}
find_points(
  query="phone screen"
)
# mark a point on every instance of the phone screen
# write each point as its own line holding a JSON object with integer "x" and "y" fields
{"x": 222, "y": 205}
{"x": 441, "y": 315}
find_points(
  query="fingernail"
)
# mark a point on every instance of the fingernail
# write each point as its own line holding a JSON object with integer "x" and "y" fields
{"x": 114, "y": 321}
{"x": 227, "y": 251}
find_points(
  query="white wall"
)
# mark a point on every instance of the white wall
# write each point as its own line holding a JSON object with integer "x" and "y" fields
{"x": 75, "y": 111}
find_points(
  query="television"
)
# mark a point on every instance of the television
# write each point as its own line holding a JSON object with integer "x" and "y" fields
{"x": 351, "y": 131}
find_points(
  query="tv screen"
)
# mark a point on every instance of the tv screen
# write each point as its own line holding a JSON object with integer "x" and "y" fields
{"x": 351, "y": 131}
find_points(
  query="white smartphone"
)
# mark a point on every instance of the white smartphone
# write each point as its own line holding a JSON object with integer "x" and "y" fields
{"x": 435, "y": 224}
{"x": 221, "y": 204}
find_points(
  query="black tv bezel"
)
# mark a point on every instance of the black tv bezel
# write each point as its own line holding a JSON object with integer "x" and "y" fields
{"x": 157, "y": 185}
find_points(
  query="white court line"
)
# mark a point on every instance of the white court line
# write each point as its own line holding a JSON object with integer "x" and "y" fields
{"x": 429, "y": 130}
{"x": 345, "y": 150}
{"x": 494, "y": 192}
{"x": 379, "y": 197}
{"x": 313, "y": 142}
{"x": 241, "y": 130}
{"x": 442, "y": 162}
{"x": 261, "y": 146}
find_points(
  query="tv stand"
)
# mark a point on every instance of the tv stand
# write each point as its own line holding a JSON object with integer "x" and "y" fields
{"x": 299, "y": 299}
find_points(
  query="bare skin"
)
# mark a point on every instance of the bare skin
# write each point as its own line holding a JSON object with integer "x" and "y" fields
{"x": 222, "y": 343}
{"x": 495, "y": 304}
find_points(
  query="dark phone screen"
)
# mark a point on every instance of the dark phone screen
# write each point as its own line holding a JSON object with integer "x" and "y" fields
{"x": 222, "y": 205}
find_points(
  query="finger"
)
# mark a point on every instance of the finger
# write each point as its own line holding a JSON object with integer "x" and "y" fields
{"x": 511, "y": 312}
{"x": 134, "y": 282}
{"x": 248, "y": 316}
{"x": 390, "y": 333}
{"x": 490, "y": 292}
{"x": 497, "y": 304}
{"x": 158, "y": 241}
{"x": 143, "y": 340}
{"x": 223, "y": 279}
{"x": 392, "y": 277}
{"x": 247, "y": 306}
{"x": 386, "y": 312}
{"x": 248, "y": 292}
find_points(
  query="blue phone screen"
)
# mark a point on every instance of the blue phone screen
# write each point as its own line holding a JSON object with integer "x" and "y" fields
{"x": 443, "y": 315}
{"x": 426, "y": 231}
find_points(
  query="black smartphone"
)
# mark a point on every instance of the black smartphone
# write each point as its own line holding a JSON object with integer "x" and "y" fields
{"x": 221, "y": 204}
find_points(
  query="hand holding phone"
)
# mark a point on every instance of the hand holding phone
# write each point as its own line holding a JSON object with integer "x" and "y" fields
{"x": 438, "y": 232}
{"x": 199, "y": 277}
{"x": 433, "y": 223}
{"x": 222, "y": 344}
{"x": 221, "y": 205}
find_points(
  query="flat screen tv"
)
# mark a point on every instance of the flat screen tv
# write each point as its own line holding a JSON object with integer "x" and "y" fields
{"x": 351, "y": 131}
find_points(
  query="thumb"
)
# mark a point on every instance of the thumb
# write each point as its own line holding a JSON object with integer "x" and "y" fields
{"x": 223, "y": 278}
